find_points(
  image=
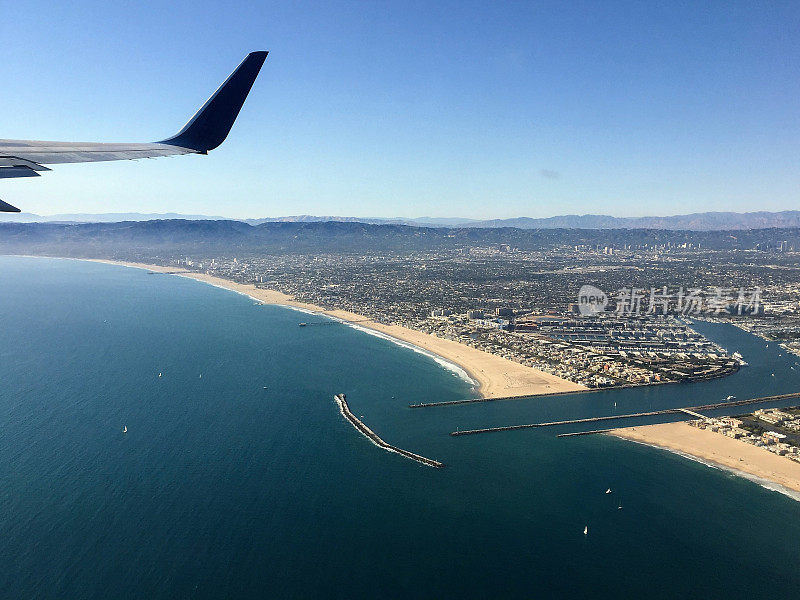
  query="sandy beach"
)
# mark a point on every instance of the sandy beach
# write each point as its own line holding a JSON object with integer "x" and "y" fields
{"x": 718, "y": 449}
{"x": 495, "y": 376}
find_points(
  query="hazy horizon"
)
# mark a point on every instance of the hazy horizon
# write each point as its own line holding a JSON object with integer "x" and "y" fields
{"x": 446, "y": 218}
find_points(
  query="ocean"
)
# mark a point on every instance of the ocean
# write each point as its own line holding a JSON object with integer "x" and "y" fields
{"x": 239, "y": 478}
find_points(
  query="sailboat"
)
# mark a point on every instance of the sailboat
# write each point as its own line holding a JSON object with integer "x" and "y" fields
{"x": 586, "y": 530}
{"x": 124, "y": 429}
{"x": 608, "y": 491}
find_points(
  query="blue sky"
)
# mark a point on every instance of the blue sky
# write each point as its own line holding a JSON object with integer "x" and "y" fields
{"x": 473, "y": 109}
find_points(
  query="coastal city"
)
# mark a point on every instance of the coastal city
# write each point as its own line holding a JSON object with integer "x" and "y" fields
{"x": 455, "y": 300}
{"x": 773, "y": 429}
{"x": 524, "y": 306}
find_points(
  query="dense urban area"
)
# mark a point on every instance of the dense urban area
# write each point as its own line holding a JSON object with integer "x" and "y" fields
{"x": 524, "y": 305}
{"x": 601, "y": 308}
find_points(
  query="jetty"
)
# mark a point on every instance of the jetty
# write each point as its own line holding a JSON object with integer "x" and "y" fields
{"x": 592, "y": 432}
{"x": 690, "y": 410}
{"x": 341, "y": 401}
{"x": 501, "y": 398}
{"x": 547, "y": 394}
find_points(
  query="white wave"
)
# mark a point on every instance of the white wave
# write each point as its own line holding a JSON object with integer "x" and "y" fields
{"x": 302, "y": 310}
{"x": 765, "y": 483}
{"x": 441, "y": 361}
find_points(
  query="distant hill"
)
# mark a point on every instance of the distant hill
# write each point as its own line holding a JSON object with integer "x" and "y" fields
{"x": 207, "y": 238}
{"x": 99, "y": 217}
{"x": 415, "y": 222}
{"x": 121, "y": 217}
{"x": 707, "y": 221}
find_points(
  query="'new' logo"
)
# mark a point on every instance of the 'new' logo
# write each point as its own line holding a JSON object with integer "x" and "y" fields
{"x": 591, "y": 300}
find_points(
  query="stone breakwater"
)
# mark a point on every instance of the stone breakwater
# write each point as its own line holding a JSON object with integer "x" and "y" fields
{"x": 341, "y": 401}
{"x": 691, "y": 410}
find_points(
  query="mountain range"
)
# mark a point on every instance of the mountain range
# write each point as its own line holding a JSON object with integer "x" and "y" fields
{"x": 234, "y": 238}
{"x": 706, "y": 221}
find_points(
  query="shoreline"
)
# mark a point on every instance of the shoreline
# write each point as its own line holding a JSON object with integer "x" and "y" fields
{"x": 769, "y": 470}
{"x": 492, "y": 376}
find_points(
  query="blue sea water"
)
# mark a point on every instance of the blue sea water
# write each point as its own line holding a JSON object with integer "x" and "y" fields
{"x": 222, "y": 488}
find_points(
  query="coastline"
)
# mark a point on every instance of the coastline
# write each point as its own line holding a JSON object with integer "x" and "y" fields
{"x": 713, "y": 449}
{"x": 493, "y": 376}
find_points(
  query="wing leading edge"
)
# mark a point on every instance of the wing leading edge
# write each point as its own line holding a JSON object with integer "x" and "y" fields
{"x": 206, "y": 130}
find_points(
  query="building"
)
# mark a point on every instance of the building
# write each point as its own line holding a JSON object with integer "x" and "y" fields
{"x": 772, "y": 437}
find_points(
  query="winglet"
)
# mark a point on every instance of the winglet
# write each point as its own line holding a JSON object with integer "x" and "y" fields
{"x": 6, "y": 207}
{"x": 209, "y": 127}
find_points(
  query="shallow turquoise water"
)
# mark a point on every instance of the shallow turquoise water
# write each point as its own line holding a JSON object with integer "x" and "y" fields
{"x": 221, "y": 488}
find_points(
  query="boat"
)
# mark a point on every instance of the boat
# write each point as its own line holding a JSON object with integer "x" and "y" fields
{"x": 619, "y": 507}
{"x": 124, "y": 429}
{"x": 586, "y": 530}
{"x": 302, "y": 324}
{"x": 608, "y": 491}
{"x": 159, "y": 374}
{"x": 731, "y": 398}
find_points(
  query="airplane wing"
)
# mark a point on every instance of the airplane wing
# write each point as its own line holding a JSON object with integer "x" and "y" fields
{"x": 206, "y": 130}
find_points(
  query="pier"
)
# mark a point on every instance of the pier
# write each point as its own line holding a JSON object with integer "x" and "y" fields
{"x": 691, "y": 413}
{"x": 168, "y": 272}
{"x": 332, "y": 321}
{"x": 691, "y": 410}
{"x": 341, "y": 401}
